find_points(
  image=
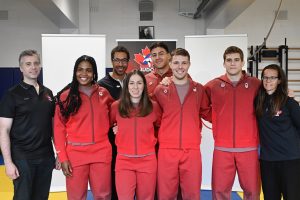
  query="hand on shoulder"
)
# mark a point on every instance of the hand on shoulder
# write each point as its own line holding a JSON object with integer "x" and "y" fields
{"x": 167, "y": 81}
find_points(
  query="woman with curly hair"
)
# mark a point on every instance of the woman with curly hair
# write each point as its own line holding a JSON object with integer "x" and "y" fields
{"x": 81, "y": 126}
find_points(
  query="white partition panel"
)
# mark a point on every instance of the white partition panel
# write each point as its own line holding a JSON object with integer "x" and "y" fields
{"x": 207, "y": 63}
{"x": 59, "y": 53}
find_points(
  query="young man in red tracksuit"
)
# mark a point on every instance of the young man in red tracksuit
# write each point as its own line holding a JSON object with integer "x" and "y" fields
{"x": 234, "y": 129}
{"x": 81, "y": 125}
{"x": 136, "y": 163}
{"x": 183, "y": 102}
{"x": 160, "y": 57}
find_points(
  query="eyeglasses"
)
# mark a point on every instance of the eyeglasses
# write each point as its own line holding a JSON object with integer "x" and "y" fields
{"x": 271, "y": 78}
{"x": 123, "y": 61}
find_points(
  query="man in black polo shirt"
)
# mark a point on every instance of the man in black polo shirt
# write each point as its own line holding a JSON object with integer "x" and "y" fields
{"x": 26, "y": 112}
{"x": 113, "y": 82}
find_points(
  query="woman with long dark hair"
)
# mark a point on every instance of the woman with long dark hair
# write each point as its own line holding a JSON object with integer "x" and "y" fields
{"x": 81, "y": 126}
{"x": 136, "y": 116}
{"x": 279, "y": 126}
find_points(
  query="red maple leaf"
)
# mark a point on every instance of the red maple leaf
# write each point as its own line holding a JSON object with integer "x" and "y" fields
{"x": 144, "y": 60}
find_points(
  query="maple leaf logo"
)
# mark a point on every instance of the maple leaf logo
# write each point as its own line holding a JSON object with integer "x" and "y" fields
{"x": 144, "y": 60}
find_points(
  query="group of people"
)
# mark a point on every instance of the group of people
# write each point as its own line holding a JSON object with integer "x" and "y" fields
{"x": 132, "y": 135}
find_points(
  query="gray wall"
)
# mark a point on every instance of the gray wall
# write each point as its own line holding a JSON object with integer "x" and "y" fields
{"x": 21, "y": 31}
{"x": 119, "y": 19}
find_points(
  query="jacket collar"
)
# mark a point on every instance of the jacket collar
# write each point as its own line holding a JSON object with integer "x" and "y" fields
{"x": 227, "y": 80}
{"x": 167, "y": 74}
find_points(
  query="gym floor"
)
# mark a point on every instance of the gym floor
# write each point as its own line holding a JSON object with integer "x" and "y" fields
{"x": 6, "y": 189}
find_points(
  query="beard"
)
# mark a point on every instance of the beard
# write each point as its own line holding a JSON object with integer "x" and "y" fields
{"x": 120, "y": 72}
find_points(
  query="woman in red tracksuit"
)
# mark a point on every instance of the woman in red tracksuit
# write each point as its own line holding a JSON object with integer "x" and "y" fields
{"x": 135, "y": 115}
{"x": 81, "y": 125}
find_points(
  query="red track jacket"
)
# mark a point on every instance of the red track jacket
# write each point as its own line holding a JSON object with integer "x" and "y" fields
{"x": 181, "y": 124}
{"x": 153, "y": 79}
{"x": 233, "y": 114}
{"x": 135, "y": 135}
{"x": 84, "y": 134}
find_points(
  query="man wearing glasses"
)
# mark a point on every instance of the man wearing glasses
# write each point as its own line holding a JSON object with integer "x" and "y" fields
{"x": 113, "y": 82}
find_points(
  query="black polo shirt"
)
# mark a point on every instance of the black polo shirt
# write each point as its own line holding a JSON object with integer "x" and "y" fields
{"x": 113, "y": 86}
{"x": 32, "y": 114}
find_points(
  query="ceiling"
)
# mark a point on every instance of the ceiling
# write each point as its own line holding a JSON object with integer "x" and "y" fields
{"x": 217, "y": 13}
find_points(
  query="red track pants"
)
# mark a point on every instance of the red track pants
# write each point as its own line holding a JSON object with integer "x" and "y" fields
{"x": 136, "y": 176}
{"x": 177, "y": 166}
{"x": 225, "y": 166}
{"x": 97, "y": 174}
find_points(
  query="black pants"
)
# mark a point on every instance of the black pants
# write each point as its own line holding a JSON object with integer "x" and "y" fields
{"x": 111, "y": 137}
{"x": 280, "y": 178}
{"x": 34, "y": 180}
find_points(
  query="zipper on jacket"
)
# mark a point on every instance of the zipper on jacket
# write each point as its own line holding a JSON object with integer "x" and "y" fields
{"x": 234, "y": 110}
{"x": 181, "y": 110}
{"x": 135, "y": 136}
{"x": 92, "y": 112}
{"x": 180, "y": 131}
